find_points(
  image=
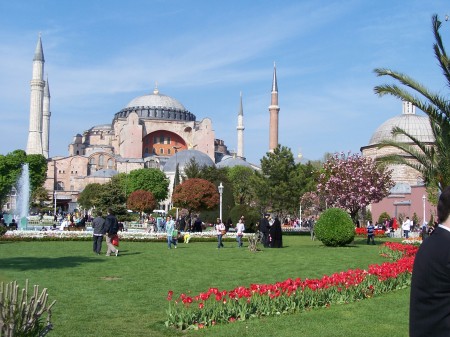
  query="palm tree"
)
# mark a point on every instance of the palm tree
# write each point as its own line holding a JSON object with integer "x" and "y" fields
{"x": 431, "y": 160}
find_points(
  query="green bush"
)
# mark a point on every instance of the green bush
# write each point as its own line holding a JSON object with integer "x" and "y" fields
{"x": 3, "y": 230}
{"x": 251, "y": 215}
{"x": 335, "y": 228}
{"x": 383, "y": 217}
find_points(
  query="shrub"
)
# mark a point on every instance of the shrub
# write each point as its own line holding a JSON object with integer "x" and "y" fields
{"x": 335, "y": 228}
{"x": 3, "y": 230}
{"x": 251, "y": 215}
{"x": 383, "y": 217}
{"x": 22, "y": 316}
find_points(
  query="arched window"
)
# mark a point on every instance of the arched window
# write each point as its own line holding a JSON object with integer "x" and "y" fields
{"x": 110, "y": 163}
{"x": 60, "y": 186}
{"x": 100, "y": 161}
{"x": 168, "y": 151}
{"x": 91, "y": 165}
{"x": 152, "y": 164}
{"x": 161, "y": 151}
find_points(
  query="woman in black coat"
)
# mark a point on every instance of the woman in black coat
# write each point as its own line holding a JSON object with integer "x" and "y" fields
{"x": 276, "y": 236}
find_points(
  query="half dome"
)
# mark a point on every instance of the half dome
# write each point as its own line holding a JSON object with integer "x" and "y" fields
{"x": 229, "y": 161}
{"x": 182, "y": 158}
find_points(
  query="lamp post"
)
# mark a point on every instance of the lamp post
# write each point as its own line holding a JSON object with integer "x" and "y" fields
{"x": 126, "y": 177}
{"x": 220, "y": 202}
{"x": 54, "y": 211}
{"x": 424, "y": 198}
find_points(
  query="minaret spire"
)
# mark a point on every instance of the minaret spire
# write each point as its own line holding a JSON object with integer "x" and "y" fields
{"x": 46, "y": 120}
{"x": 274, "y": 109}
{"x": 240, "y": 131}
{"x": 34, "y": 144}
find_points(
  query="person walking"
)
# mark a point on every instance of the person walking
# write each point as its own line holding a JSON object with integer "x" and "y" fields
{"x": 429, "y": 311}
{"x": 240, "y": 227}
{"x": 111, "y": 229}
{"x": 370, "y": 233}
{"x": 98, "y": 224}
{"x": 170, "y": 227}
{"x": 221, "y": 231}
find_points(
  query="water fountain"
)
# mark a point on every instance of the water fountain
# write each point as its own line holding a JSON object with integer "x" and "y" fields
{"x": 23, "y": 197}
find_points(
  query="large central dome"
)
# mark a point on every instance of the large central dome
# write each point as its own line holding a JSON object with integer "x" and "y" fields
{"x": 156, "y": 100}
{"x": 156, "y": 106}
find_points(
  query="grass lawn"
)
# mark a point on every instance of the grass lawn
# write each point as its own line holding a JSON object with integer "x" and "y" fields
{"x": 126, "y": 295}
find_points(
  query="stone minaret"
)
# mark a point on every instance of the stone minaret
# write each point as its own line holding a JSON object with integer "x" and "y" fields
{"x": 240, "y": 132}
{"x": 274, "y": 109}
{"x": 46, "y": 120}
{"x": 34, "y": 145}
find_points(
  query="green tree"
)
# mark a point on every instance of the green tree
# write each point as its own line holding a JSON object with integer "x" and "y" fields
{"x": 432, "y": 161}
{"x": 148, "y": 179}
{"x": 243, "y": 179}
{"x": 176, "y": 179}
{"x": 383, "y": 217}
{"x": 307, "y": 175}
{"x": 251, "y": 216}
{"x": 11, "y": 168}
{"x": 90, "y": 196}
{"x": 38, "y": 170}
{"x": 111, "y": 196}
{"x": 216, "y": 176}
{"x": 281, "y": 178}
{"x": 195, "y": 195}
{"x": 39, "y": 196}
{"x": 192, "y": 169}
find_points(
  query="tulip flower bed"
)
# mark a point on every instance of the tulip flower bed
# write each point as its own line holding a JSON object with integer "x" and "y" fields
{"x": 131, "y": 236}
{"x": 221, "y": 306}
{"x": 362, "y": 231}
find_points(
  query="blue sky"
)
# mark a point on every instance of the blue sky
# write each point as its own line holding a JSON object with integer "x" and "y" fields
{"x": 101, "y": 54}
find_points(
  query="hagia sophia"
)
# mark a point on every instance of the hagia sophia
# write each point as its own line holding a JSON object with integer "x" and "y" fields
{"x": 157, "y": 131}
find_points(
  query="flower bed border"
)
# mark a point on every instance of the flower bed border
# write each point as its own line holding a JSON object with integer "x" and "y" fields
{"x": 21, "y": 235}
{"x": 215, "y": 306}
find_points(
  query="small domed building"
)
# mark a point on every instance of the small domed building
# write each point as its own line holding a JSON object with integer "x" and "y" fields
{"x": 407, "y": 196}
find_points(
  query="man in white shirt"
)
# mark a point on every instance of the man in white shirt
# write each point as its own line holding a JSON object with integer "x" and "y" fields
{"x": 406, "y": 226}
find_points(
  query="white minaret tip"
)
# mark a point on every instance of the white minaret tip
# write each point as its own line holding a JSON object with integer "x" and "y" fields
{"x": 274, "y": 80}
{"x": 156, "y": 91}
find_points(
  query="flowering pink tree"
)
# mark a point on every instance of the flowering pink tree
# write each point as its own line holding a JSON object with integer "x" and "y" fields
{"x": 353, "y": 182}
